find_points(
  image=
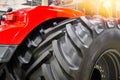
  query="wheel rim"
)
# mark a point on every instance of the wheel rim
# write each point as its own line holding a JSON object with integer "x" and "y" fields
{"x": 107, "y": 66}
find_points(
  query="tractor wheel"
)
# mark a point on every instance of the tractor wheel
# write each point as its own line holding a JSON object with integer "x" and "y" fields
{"x": 82, "y": 48}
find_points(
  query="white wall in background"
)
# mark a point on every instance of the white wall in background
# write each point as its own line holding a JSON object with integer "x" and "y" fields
{"x": 11, "y": 2}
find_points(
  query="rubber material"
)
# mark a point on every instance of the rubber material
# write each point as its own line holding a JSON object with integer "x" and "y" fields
{"x": 70, "y": 51}
{"x": 6, "y": 52}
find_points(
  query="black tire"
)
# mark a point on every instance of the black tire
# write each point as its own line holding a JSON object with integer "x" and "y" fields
{"x": 22, "y": 58}
{"x": 82, "y": 48}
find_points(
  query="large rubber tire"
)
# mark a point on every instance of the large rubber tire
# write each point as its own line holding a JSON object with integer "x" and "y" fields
{"x": 81, "y": 48}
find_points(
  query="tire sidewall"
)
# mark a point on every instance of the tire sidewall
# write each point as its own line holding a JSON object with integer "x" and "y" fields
{"x": 108, "y": 39}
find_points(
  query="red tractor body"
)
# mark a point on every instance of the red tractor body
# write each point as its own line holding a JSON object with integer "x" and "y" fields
{"x": 18, "y": 24}
{"x": 55, "y": 43}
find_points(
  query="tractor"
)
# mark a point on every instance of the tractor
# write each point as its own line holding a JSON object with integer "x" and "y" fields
{"x": 58, "y": 43}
